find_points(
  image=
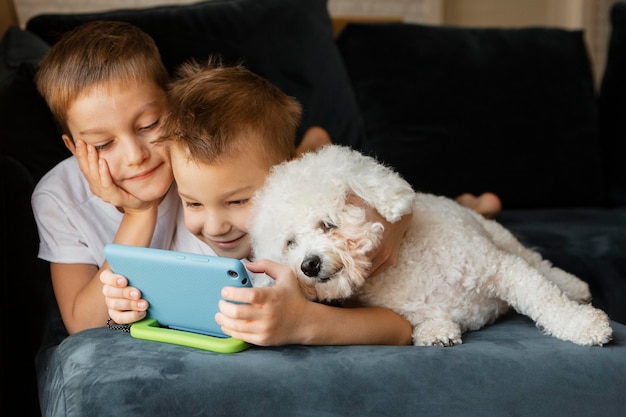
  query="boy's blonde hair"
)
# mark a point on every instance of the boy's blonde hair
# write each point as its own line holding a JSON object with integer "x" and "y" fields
{"x": 217, "y": 111}
{"x": 96, "y": 54}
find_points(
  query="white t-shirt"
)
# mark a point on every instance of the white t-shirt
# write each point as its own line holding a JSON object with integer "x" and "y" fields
{"x": 74, "y": 224}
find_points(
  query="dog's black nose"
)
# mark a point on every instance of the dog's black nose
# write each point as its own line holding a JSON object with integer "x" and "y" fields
{"x": 311, "y": 266}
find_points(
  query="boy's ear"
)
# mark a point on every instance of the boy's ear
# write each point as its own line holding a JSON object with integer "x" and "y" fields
{"x": 69, "y": 143}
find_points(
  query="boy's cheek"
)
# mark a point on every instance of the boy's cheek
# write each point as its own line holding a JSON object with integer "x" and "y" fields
{"x": 192, "y": 223}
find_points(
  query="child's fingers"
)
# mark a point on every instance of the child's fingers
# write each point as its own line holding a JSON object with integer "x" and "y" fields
{"x": 104, "y": 174}
{"x": 87, "y": 157}
{"x": 126, "y": 317}
{"x": 278, "y": 272}
{"x": 118, "y": 299}
{"x": 243, "y": 295}
{"x": 108, "y": 277}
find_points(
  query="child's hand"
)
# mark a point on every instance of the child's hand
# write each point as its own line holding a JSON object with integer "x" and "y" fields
{"x": 386, "y": 253}
{"x": 124, "y": 303}
{"x": 96, "y": 171}
{"x": 273, "y": 316}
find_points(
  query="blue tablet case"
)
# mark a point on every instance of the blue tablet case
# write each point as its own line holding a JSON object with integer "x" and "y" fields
{"x": 183, "y": 289}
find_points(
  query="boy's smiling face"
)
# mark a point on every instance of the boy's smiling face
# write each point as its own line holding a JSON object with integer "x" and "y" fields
{"x": 217, "y": 198}
{"x": 121, "y": 120}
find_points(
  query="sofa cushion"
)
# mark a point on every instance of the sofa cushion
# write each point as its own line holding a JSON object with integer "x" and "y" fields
{"x": 289, "y": 42}
{"x": 28, "y": 132}
{"x": 506, "y": 369}
{"x": 463, "y": 109}
{"x": 18, "y": 46}
{"x": 613, "y": 106}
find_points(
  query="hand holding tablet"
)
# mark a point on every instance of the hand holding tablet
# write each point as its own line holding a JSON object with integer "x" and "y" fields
{"x": 183, "y": 291}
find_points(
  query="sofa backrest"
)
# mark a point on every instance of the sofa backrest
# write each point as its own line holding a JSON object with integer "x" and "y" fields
{"x": 512, "y": 111}
{"x": 289, "y": 42}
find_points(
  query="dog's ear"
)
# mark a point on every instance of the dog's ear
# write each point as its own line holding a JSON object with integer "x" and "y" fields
{"x": 379, "y": 186}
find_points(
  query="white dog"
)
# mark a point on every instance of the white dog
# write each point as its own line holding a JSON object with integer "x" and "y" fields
{"x": 456, "y": 271}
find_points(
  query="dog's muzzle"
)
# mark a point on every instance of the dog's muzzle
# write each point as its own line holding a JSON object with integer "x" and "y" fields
{"x": 311, "y": 267}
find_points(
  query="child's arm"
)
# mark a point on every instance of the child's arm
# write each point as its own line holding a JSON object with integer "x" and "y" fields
{"x": 77, "y": 287}
{"x": 281, "y": 315}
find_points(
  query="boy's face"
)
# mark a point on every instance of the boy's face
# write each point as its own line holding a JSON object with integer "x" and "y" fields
{"x": 121, "y": 120}
{"x": 217, "y": 198}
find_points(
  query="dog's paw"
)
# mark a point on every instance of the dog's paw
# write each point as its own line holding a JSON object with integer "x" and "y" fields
{"x": 437, "y": 333}
{"x": 587, "y": 326}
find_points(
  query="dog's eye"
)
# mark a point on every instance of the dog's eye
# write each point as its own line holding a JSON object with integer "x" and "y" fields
{"x": 291, "y": 244}
{"x": 327, "y": 226}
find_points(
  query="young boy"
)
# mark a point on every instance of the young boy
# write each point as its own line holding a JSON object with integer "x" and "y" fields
{"x": 105, "y": 84}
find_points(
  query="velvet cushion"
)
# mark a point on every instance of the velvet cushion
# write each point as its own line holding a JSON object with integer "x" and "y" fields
{"x": 18, "y": 46}
{"x": 27, "y": 129}
{"x": 289, "y": 42}
{"x": 613, "y": 106}
{"x": 457, "y": 109}
{"x": 507, "y": 369}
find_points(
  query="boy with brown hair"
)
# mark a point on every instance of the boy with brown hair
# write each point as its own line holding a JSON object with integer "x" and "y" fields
{"x": 105, "y": 84}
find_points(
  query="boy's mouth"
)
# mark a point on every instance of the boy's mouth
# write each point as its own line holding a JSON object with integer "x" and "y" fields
{"x": 225, "y": 245}
{"x": 145, "y": 174}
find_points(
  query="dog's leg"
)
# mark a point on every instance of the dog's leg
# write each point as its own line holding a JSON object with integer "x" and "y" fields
{"x": 531, "y": 294}
{"x": 437, "y": 332}
{"x": 574, "y": 288}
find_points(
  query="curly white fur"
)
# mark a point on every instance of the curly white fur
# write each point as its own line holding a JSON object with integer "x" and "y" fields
{"x": 456, "y": 271}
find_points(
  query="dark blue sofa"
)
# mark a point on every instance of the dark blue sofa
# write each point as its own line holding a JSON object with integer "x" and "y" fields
{"x": 512, "y": 111}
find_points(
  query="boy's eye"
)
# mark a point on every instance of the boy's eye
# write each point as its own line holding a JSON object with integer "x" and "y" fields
{"x": 150, "y": 126}
{"x": 192, "y": 205}
{"x": 239, "y": 202}
{"x": 103, "y": 146}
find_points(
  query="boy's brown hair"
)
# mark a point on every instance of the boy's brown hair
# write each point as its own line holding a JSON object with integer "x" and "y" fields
{"x": 95, "y": 54}
{"x": 217, "y": 111}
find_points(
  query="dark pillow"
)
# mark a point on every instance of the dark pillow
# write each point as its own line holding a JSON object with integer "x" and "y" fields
{"x": 457, "y": 109}
{"x": 18, "y": 46}
{"x": 613, "y": 106}
{"x": 289, "y": 42}
{"x": 28, "y": 132}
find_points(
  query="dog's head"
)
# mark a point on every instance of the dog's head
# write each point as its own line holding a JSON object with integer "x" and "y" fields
{"x": 301, "y": 218}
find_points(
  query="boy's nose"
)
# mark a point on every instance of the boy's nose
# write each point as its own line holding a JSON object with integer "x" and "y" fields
{"x": 215, "y": 224}
{"x": 136, "y": 151}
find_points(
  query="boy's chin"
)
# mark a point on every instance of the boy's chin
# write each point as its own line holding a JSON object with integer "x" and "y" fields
{"x": 236, "y": 253}
{"x": 151, "y": 193}
{"x": 231, "y": 254}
